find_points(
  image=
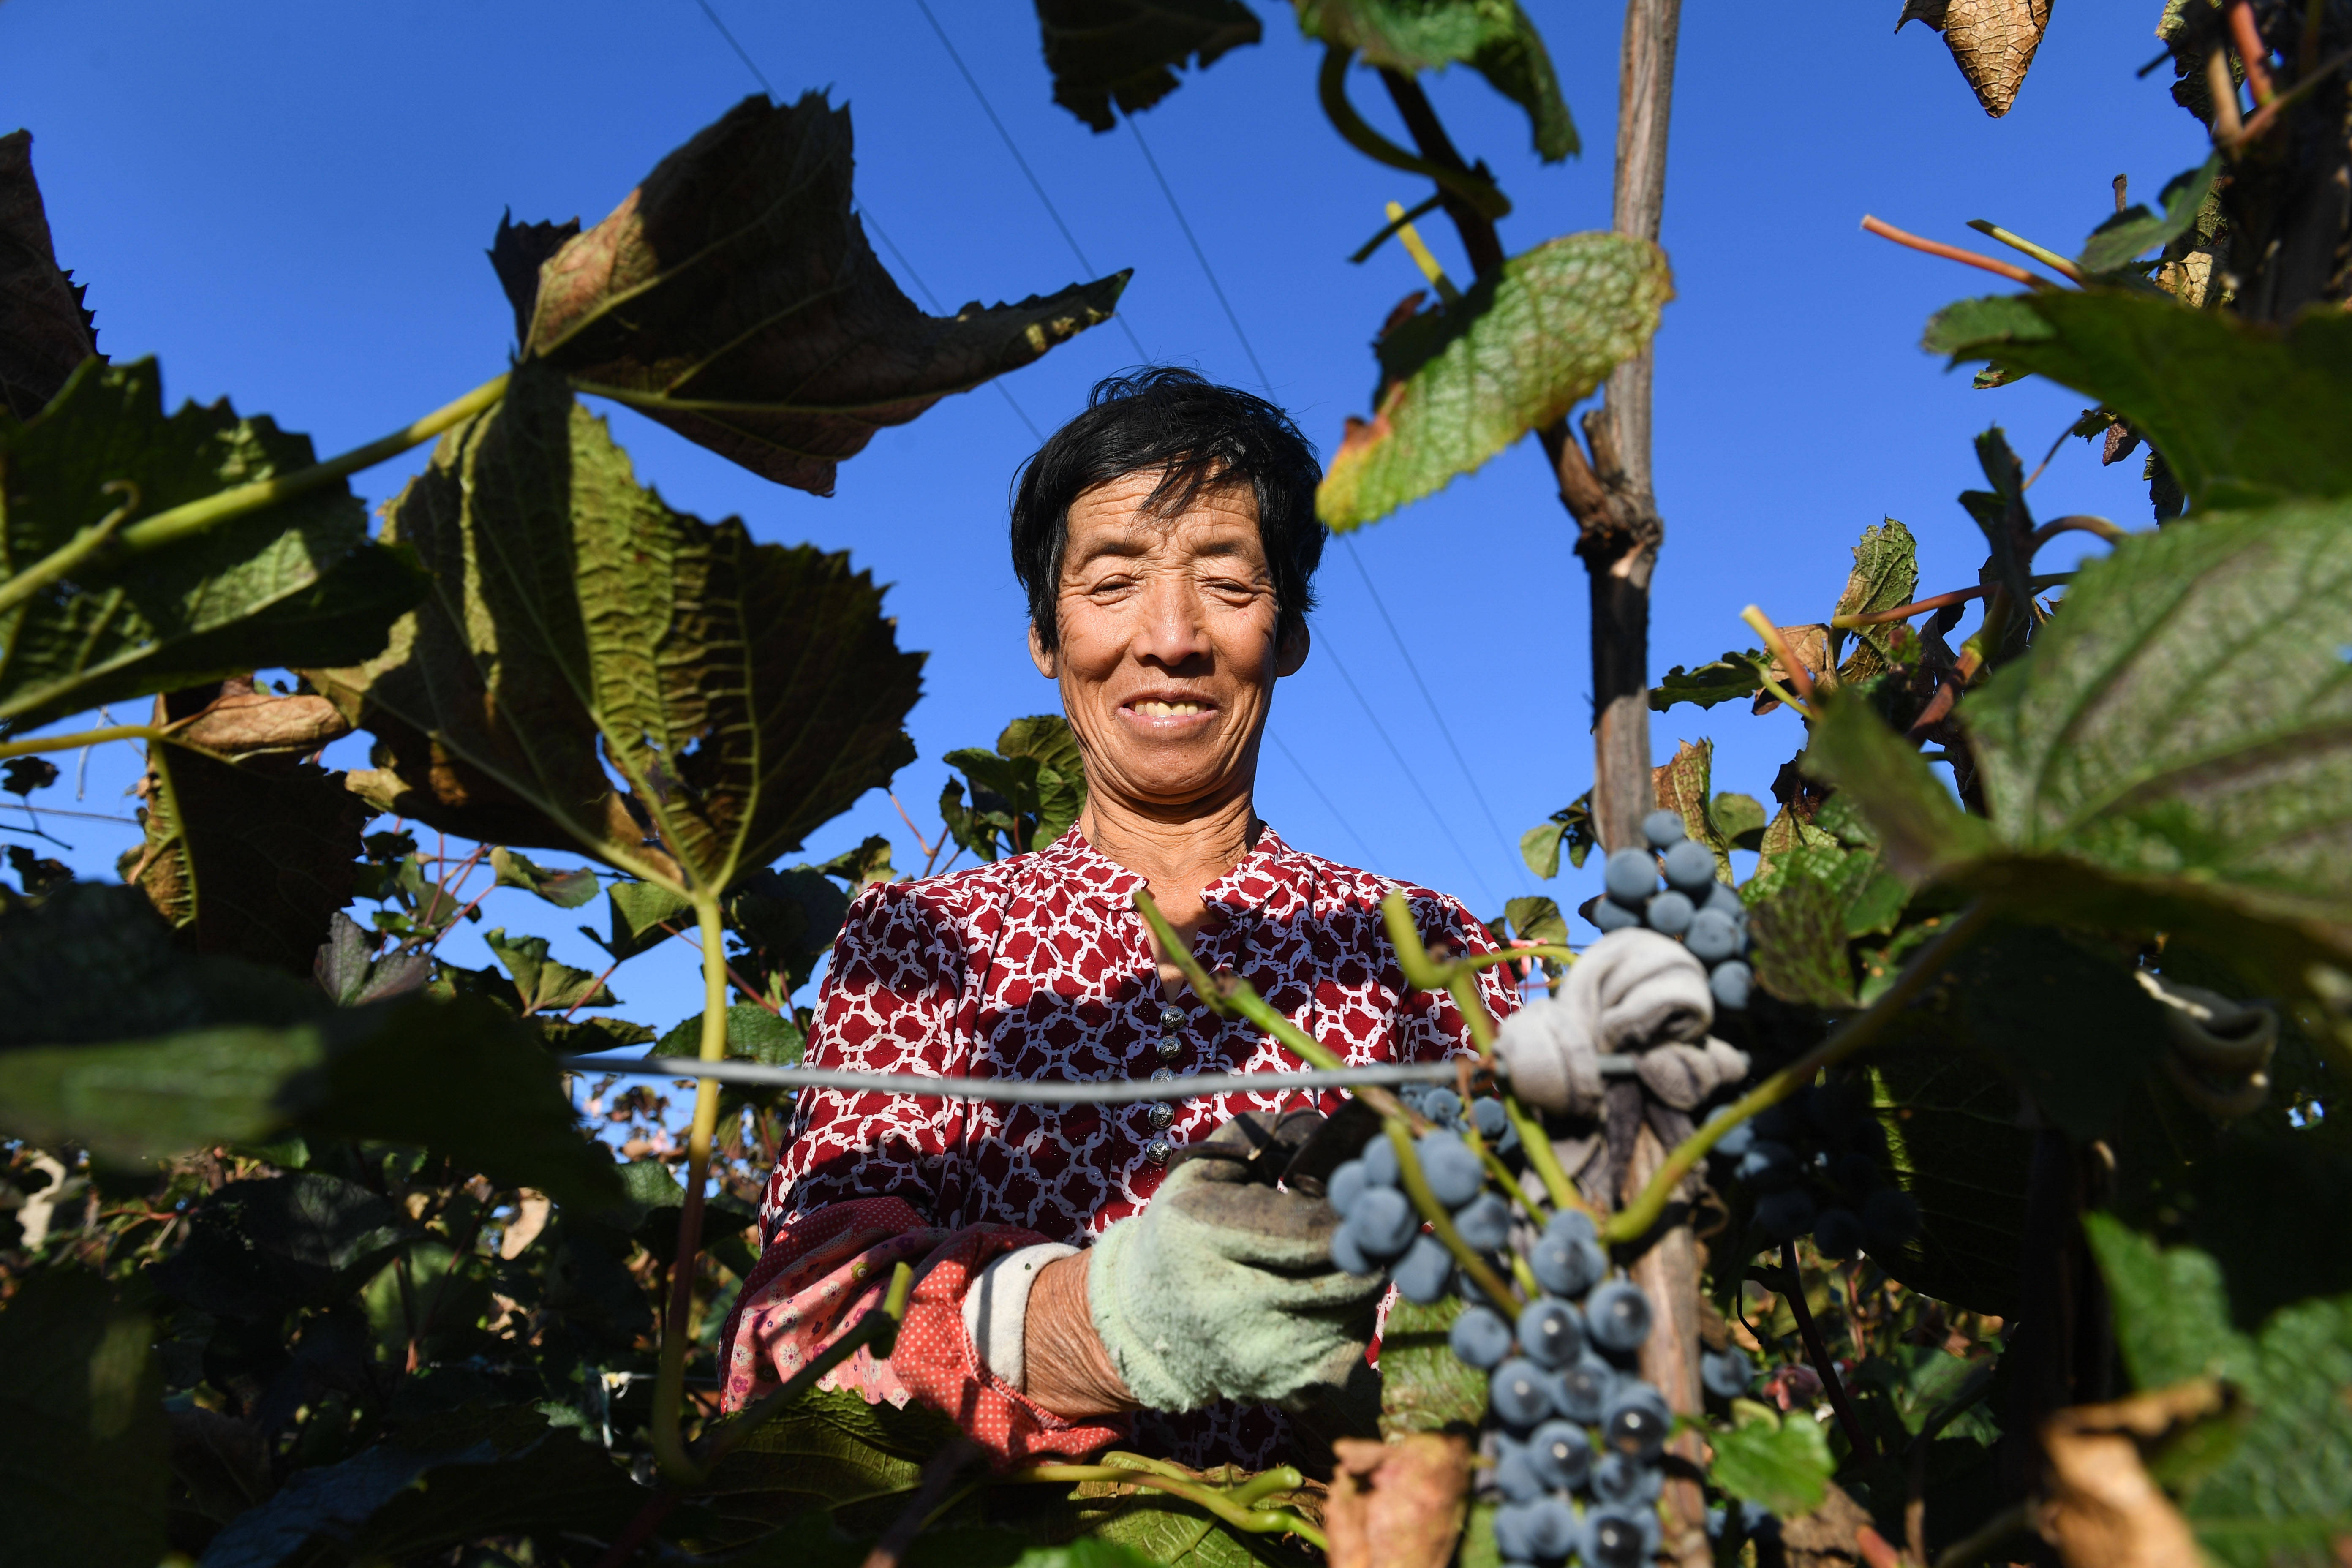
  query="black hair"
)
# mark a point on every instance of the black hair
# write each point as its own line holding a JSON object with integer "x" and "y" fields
{"x": 1197, "y": 435}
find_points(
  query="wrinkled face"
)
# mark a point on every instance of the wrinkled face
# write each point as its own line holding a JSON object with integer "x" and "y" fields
{"x": 1169, "y": 653}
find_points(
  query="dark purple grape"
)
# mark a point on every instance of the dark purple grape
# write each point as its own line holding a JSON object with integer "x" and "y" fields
{"x": 1551, "y": 1529}
{"x": 1560, "y": 1455}
{"x": 1380, "y": 1163}
{"x": 1858, "y": 1173}
{"x": 1631, "y": 876}
{"x": 1480, "y": 1338}
{"x": 1423, "y": 1272}
{"x": 1515, "y": 1474}
{"x": 1712, "y": 937}
{"x": 1837, "y": 1232}
{"x": 1514, "y": 1531}
{"x": 1550, "y": 1334}
{"x": 1663, "y": 828}
{"x": 1612, "y": 916}
{"x": 1347, "y": 1184}
{"x": 1346, "y": 1256}
{"x": 1519, "y": 1393}
{"x": 1581, "y": 1390}
{"x": 1619, "y": 1480}
{"x": 1635, "y": 1422}
{"x": 1384, "y": 1222}
{"x": 1441, "y": 1104}
{"x": 1727, "y": 1373}
{"x": 1723, "y": 899}
{"x": 1690, "y": 866}
{"x": 1836, "y": 1111}
{"x": 1453, "y": 1173}
{"x": 1485, "y": 1222}
{"x": 1567, "y": 1267}
{"x": 1785, "y": 1216}
{"x": 1617, "y": 1316}
{"x": 1766, "y": 1166}
{"x": 1618, "y": 1537}
{"x": 1489, "y": 1118}
{"x": 1736, "y": 1142}
{"x": 1729, "y": 983}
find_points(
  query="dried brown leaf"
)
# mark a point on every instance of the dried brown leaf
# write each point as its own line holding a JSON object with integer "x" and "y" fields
{"x": 1399, "y": 1504}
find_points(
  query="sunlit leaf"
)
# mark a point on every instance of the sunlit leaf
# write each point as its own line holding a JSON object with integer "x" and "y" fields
{"x": 2245, "y": 413}
{"x": 1886, "y": 576}
{"x": 1127, "y": 52}
{"x": 1515, "y": 352}
{"x": 297, "y": 582}
{"x": 744, "y": 693}
{"x": 1735, "y": 675}
{"x": 546, "y": 984}
{"x": 733, "y": 297}
{"x": 1493, "y": 38}
{"x": 2136, "y": 231}
{"x": 564, "y": 889}
{"x": 1782, "y": 1463}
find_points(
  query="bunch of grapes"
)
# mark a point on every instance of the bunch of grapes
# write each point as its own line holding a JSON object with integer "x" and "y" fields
{"x": 1698, "y": 910}
{"x": 1445, "y": 1109}
{"x": 1814, "y": 1162}
{"x": 1576, "y": 1436}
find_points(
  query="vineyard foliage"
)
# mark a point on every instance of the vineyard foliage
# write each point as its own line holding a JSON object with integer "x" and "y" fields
{"x": 317, "y": 1247}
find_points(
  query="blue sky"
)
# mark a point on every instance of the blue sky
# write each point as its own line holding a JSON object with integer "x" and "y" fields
{"x": 288, "y": 206}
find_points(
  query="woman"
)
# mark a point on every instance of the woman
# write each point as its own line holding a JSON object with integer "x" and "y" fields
{"x": 1167, "y": 541}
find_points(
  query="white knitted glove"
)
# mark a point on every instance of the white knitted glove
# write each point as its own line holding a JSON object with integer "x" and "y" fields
{"x": 1632, "y": 991}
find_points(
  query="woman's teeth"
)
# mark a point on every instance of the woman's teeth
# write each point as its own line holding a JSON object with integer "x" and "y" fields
{"x": 1168, "y": 709}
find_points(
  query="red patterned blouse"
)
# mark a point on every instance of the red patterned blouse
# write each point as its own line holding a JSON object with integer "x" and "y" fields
{"x": 1038, "y": 967}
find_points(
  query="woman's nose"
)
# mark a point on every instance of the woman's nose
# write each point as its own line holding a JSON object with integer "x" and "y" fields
{"x": 1174, "y": 630}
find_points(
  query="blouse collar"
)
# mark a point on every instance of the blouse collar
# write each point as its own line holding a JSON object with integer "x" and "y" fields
{"x": 1272, "y": 878}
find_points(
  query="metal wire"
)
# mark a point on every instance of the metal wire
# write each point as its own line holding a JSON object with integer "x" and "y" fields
{"x": 1119, "y": 1091}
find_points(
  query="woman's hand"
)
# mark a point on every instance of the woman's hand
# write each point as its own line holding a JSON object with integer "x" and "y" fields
{"x": 1065, "y": 1368}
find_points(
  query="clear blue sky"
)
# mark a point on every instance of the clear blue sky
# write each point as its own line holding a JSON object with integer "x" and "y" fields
{"x": 288, "y": 204}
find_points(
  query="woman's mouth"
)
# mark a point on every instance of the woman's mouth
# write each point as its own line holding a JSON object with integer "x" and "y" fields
{"x": 1168, "y": 709}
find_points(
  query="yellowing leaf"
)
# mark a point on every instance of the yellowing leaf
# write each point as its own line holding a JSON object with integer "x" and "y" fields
{"x": 1516, "y": 352}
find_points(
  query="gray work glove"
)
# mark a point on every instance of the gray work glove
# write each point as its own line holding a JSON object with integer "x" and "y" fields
{"x": 1223, "y": 1286}
{"x": 1632, "y": 992}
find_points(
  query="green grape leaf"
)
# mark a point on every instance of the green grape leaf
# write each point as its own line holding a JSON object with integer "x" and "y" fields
{"x": 754, "y": 1034}
{"x": 733, "y": 298}
{"x": 45, "y": 331}
{"x": 564, "y": 889}
{"x": 1518, "y": 349}
{"x": 1886, "y": 576}
{"x": 545, "y": 984}
{"x": 1954, "y": 1144}
{"x": 1539, "y": 847}
{"x": 2070, "y": 1028}
{"x": 1571, "y": 828}
{"x": 2135, "y": 231}
{"x": 1681, "y": 785}
{"x": 1725, "y": 679}
{"x": 84, "y": 1455}
{"x": 787, "y": 920}
{"x": 1126, "y": 52}
{"x": 2279, "y": 1494}
{"x": 1537, "y": 919}
{"x": 639, "y": 912}
{"x": 1493, "y": 38}
{"x": 259, "y": 1248}
{"x": 1739, "y": 819}
{"x": 2244, "y": 414}
{"x": 1799, "y": 952}
{"x": 1061, "y": 770}
{"x": 744, "y": 692}
{"x": 1425, "y": 1387}
{"x": 863, "y": 866}
{"x": 297, "y": 583}
{"x": 1782, "y": 1463}
{"x": 249, "y": 859}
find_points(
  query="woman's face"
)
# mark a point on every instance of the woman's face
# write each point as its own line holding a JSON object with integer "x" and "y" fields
{"x": 1169, "y": 653}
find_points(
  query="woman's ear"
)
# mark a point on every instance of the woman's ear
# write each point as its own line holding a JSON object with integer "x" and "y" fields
{"x": 1290, "y": 654}
{"x": 1041, "y": 655}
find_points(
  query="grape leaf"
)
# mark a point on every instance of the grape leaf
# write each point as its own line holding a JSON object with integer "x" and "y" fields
{"x": 754, "y": 1034}
{"x": 744, "y": 692}
{"x": 1127, "y": 52}
{"x": 1732, "y": 676}
{"x": 2135, "y": 231}
{"x": 733, "y": 298}
{"x": 1517, "y": 351}
{"x": 546, "y": 984}
{"x": 1494, "y": 37}
{"x": 1681, "y": 785}
{"x": 45, "y": 331}
{"x": 1886, "y": 576}
{"x": 1537, "y": 919}
{"x": 564, "y": 889}
{"x": 1954, "y": 1144}
{"x": 1782, "y": 1463}
{"x": 1425, "y": 1387}
{"x": 2282, "y": 1493}
{"x": 83, "y": 1452}
{"x": 296, "y": 582}
{"x": 2244, "y": 414}
{"x": 1571, "y": 828}
{"x": 1800, "y": 954}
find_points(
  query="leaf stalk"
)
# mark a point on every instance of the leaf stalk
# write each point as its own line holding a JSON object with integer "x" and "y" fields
{"x": 669, "y": 1380}
{"x": 1217, "y": 1500}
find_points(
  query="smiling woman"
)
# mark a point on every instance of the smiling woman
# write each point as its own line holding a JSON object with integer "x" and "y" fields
{"x": 1089, "y": 1273}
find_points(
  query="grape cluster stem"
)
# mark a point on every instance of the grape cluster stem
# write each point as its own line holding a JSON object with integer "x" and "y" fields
{"x": 1236, "y": 1505}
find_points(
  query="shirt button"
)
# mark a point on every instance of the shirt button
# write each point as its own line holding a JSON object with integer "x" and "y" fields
{"x": 1164, "y": 1075}
{"x": 1171, "y": 1016}
{"x": 1157, "y": 1151}
{"x": 1160, "y": 1115}
{"x": 1170, "y": 1047}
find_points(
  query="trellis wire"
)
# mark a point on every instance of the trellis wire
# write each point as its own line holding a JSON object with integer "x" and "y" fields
{"x": 1119, "y": 1091}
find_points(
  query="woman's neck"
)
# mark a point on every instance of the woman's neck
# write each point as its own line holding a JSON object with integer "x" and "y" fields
{"x": 1179, "y": 852}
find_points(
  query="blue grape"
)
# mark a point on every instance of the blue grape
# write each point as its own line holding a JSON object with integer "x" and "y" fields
{"x": 1890, "y": 1216}
{"x": 1783, "y": 1122}
{"x": 1566, "y": 1267}
{"x": 1664, "y": 829}
{"x": 1349, "y": 1258}
{"x": 1616, "y": 1536}
{"x": 1571, "y": 1225}
{"x": 1519, "y": 1393}
{"x": 1423, "y": 1272}
{"x": 1516, "y": 1475}
{"x": 1725, "y": 899}
{"x": 1453, "y": 1173}
{"x": 1611, "y": 916}
{"x": 1379, "y": 1162}
{"x": 1785, "y": 1216}
{"x": 1467, "y": 1289}
{"x": 1514, "y": 1531}
{"x": 1690, "y": 866}
{"x": 1635, "y": 1422}
{"x": 1489, "y": 1118}
{"x": 1725, "y": 1372}
{"x": 1346, "y": 1186}
{"x": 1837, "y": 1232}
{"x": 1480, "y": 1338}
{"x": 1855, "y": 1171}
{"x": 1729, "y": 983}
{"x": 1669, "y": 913}
{"x": 1582, "y": 1391}
{"x": 1551, "y": 1529}
{"x": 1631, "y": 876}
{"x": 1485, "y": 1222}
{"x": 1837, "y": 1112}
{"x": 1737, "y": 1141}
{"x": 1549, "y": 1335}
{"x": 1766, "y": 1166}
{"x": 1559, "y": 1454}
{"x": 1618, "y": 1480}
{"x": 1384, "y": 1221}
{"x": 1441, "y": 1104}
{"x": 1713, "y": 936}
{"x": 1617, "y": 1316}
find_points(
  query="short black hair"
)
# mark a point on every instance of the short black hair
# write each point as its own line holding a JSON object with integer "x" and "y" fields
{"x": 1197, "y": 434}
